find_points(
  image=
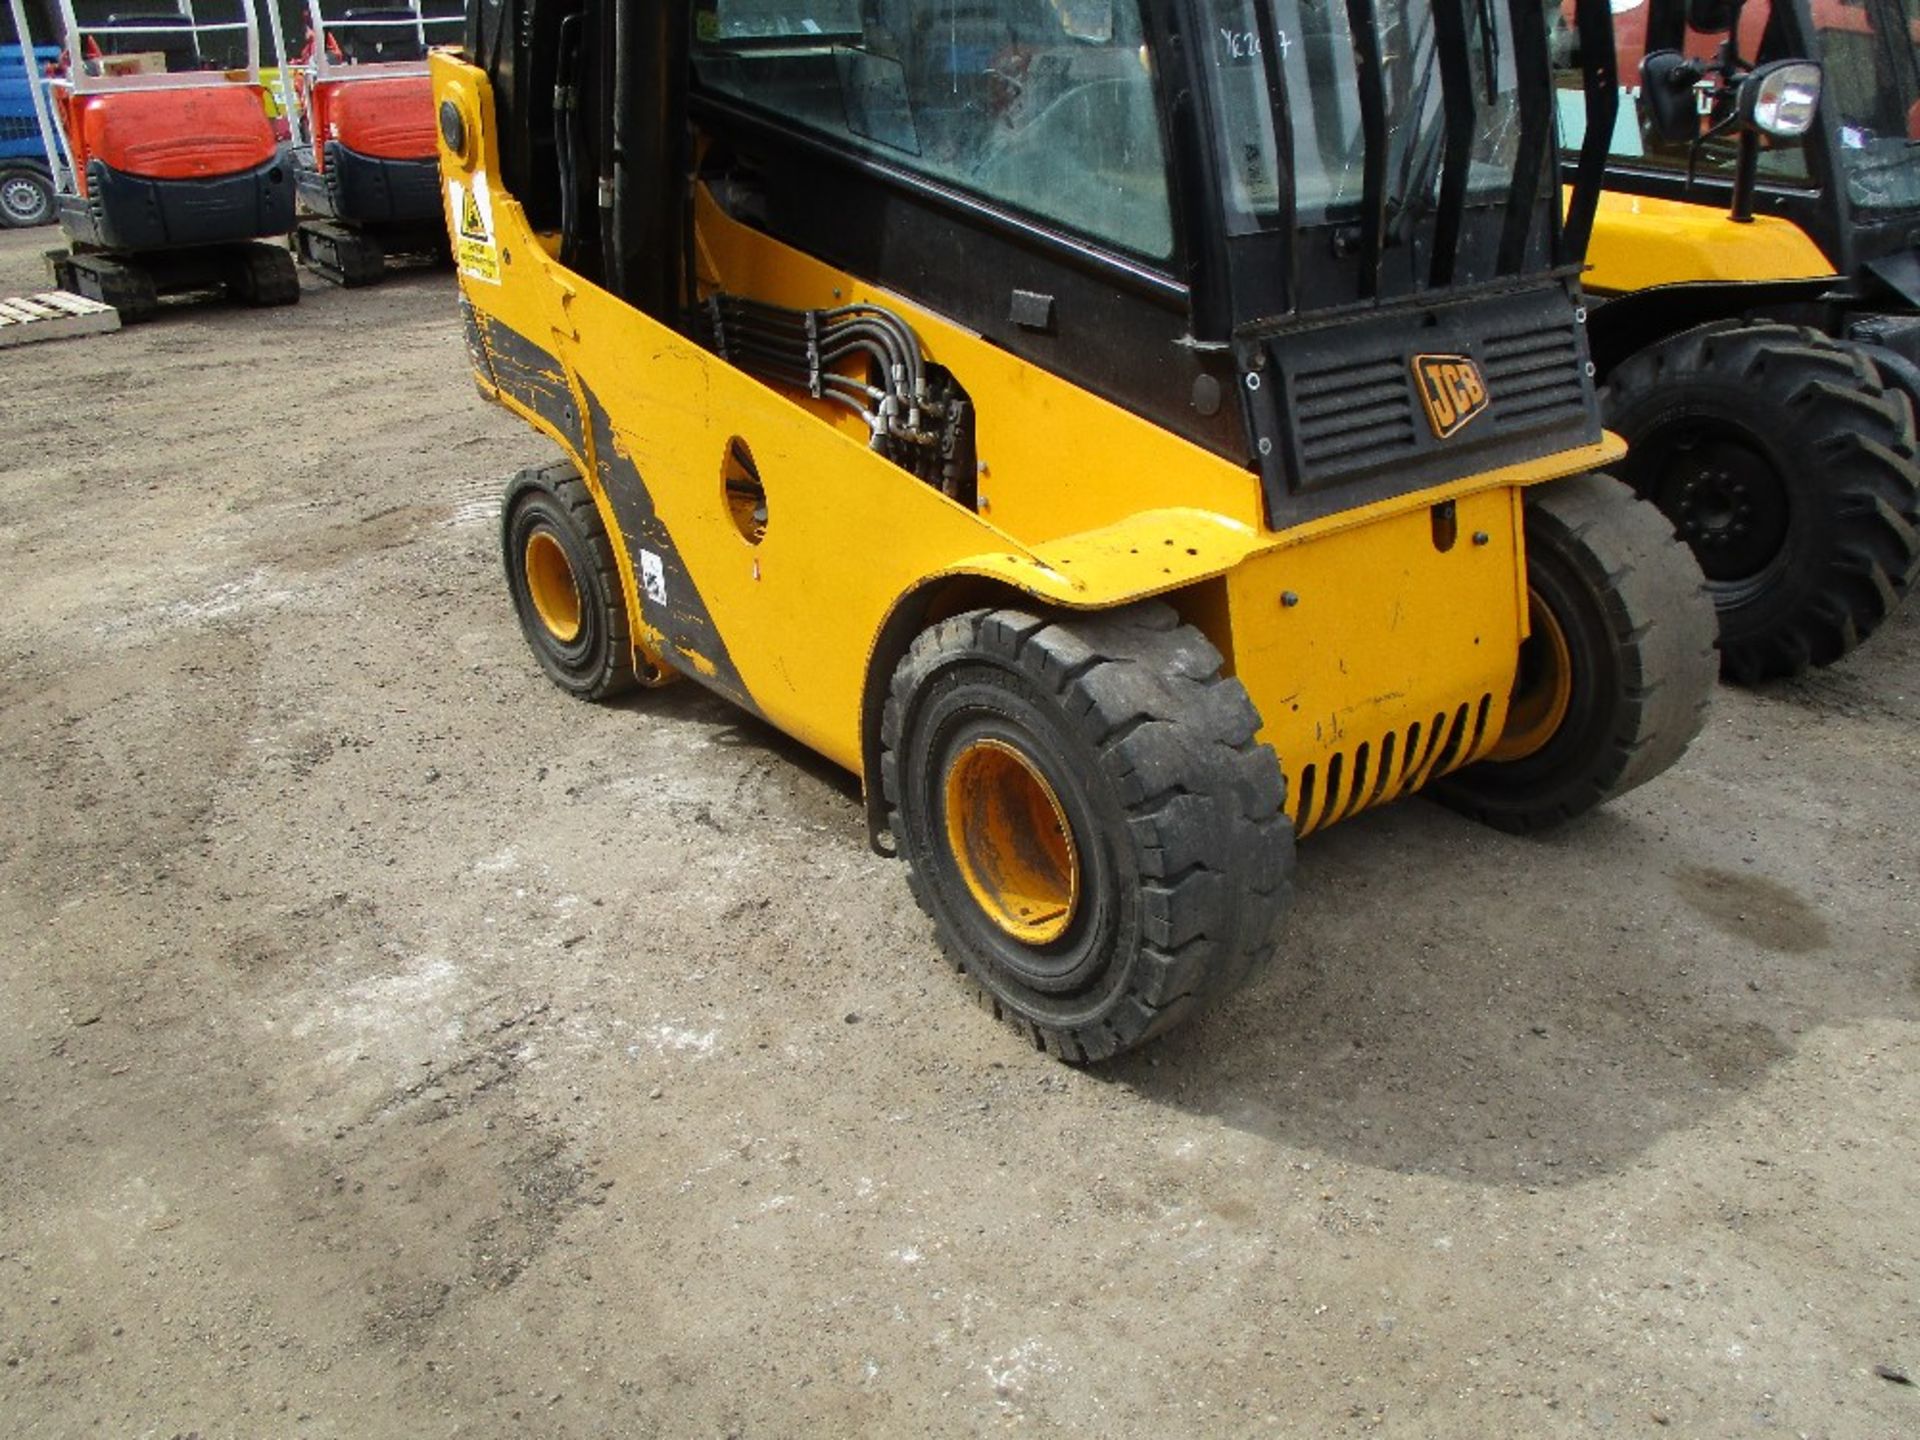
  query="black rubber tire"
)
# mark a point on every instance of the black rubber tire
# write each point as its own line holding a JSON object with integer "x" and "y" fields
{"x": 26, "y": 199}
{"x": 598, "y": 663}
{"x": 1176, "y": 809}
{"x": 1639, "y": 627}
{"x": 1810, "y": 425}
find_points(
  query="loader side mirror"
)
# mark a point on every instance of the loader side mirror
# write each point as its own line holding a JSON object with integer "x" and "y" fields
{"x": 1667, "y": 79}
{"x": 1710, "y": 17}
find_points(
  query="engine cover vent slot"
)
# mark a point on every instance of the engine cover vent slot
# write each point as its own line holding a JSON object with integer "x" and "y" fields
{"x": 1354, "y": 416}
{"x": 1344, "y": 782}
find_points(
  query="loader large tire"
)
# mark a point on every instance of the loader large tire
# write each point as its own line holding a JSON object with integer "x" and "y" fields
{"x": 1615, "y": 678}
{"x": 1087, "y": 818}
{"x": 1790, "y": 468}
{"x": 565, "y": 584}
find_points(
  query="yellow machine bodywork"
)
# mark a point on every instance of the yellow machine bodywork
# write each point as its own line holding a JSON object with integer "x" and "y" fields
{"x": 1640, "y": 241}
{"x": 1379, "y": 650}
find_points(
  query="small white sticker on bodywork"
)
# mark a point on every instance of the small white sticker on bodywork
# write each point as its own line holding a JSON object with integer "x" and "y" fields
{"x": 653, "y": 577}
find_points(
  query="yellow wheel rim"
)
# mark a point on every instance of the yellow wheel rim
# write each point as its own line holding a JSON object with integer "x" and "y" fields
{"x": 1011, "y": 841}
{"x": 550, "y": 584}
{"x": 1542, "y": 687}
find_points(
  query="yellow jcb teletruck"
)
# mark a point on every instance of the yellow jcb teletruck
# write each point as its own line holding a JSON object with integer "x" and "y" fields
{"x": 1126, "y": 433}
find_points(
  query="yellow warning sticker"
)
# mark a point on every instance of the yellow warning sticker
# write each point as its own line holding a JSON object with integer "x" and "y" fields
{"x": 472, "y": 227}
{"x": 470, "y": 210}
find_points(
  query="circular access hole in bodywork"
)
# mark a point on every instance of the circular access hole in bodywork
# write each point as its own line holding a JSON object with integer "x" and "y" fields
{"x": 745, "y": 496}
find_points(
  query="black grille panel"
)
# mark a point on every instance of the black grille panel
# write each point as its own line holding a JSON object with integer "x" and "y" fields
{"x": 1353, "y": 414}
{"x": 1535, "y": 377}
{"x": 1336, "y": 410}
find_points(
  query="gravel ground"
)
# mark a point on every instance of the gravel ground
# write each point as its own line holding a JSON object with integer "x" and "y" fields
{"x": 390, "y": 1045}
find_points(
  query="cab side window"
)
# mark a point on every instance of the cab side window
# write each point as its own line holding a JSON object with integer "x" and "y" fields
{"x": 1043, "y": 107}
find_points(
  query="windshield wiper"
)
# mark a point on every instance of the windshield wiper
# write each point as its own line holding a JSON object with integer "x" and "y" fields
{"x": 1422, "y": 155}
{"x": 1489, "y": 49}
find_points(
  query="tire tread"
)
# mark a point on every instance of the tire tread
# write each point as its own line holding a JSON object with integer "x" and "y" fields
{"x": 561, "y": 480}
{"x": 1662, "y": 622}
{"x": 1204, "y": 801}
{"x": 1837, "y": 402}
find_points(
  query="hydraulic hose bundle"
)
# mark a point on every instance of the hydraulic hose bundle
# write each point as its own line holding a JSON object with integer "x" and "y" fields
{"x": 866, "y": 358}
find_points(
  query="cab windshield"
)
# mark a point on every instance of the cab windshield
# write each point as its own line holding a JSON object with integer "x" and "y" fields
{"x": 1314, "y": 44}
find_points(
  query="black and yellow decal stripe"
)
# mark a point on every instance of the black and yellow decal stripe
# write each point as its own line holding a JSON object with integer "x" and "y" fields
{"x": 530, "y": 374}
{"x": 476, "y": 345}
{"x": 669, "y": 600}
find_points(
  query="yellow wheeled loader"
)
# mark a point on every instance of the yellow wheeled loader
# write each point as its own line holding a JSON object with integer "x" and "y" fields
{"x": 1128, "y": 434}
{"x": 1754, "y": 284}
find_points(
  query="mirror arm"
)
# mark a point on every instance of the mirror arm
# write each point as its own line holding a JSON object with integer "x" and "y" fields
{"x": 1746, "y": 174}
{"x": 1713, "y": 132}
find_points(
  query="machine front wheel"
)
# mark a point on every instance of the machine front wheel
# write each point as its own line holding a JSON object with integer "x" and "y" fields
{"x": 1615, "y": 675}
{"x": 565, "y": 585}
{"x": 1790, "y": 469}
{"x": 1087, "y": 817}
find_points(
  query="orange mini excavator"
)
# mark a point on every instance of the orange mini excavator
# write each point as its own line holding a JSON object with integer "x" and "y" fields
{"x": 169, "y": 168}
{"x": 366, "y": 160}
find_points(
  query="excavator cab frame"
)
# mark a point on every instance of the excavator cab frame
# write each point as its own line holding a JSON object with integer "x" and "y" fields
{"x": 365, "y": 160}
{"x": 166, "y": 166}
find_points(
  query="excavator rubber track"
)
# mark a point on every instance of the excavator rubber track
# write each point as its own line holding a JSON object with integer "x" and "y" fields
{"x": 348, "y": 257}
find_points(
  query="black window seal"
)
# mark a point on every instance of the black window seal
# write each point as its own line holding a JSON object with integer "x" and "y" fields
{"x": 1373, "y": 131}
{"x": 1537, "y": 136}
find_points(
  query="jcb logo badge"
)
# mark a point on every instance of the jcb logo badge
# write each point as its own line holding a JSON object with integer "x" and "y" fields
{"x": 1450, "y": 389}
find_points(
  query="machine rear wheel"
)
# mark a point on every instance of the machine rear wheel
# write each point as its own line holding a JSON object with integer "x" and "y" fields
{"x": 26, "y": 199}
{"x": 1614, "y": 679}
{"x": 1789, "y": 467}
{"x": 565, "y": 585}
{"x": 1087, "y": 818}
